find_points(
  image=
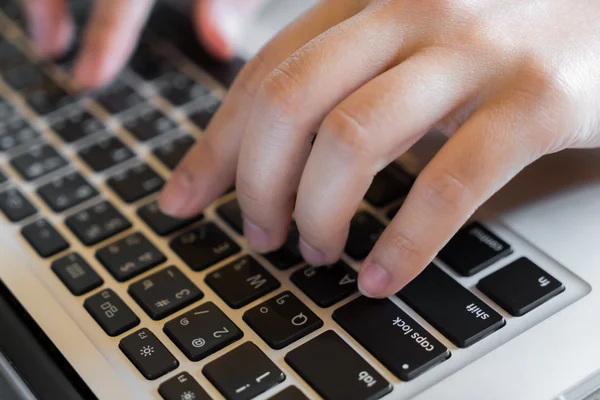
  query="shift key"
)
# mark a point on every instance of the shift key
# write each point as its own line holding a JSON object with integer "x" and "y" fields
{"x": 453, "y": 310}
{"x": 393, "y": 337}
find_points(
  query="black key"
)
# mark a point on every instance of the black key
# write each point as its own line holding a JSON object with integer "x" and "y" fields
{"x": 202, "y": 331}
{"x": 365, "y": 230}
{"x": 472, "y": 249}
{"x": 148, "y": 123}
{"x": 241, "y": 282}
{"x": 282, "y": 320}
{"x": 46, "y": 240}
{"x": 38, "y": 162}
{"x": 97, "y": 223}
{"x": 289, "y": 255}
{"x": 328, "y": 284}
{"x": 182, "y": 387}
{"x": 24, "y": 77}
{"x": 453, "y": 310}
{"x": 148, "y": 65}
{"x": 15, "y": 205}
{"x": 163, "y": 224}
{"x": 136, "y": 183}
{"x": 10, "y": 56}
{"x": 76, "y": 274}
{"x": 14, "y": 132}
{"x": 392, "y": 213}
{"x": 3, "y": 177}
{"x": 390, "y": 184}
{"x": 110, "y": 312}
{"x": 164, "y": 292}
{"x": 148, "y": 354}
{"x": 67, "y": 191}
{"x": 204, "y": 246}
{"x": 232, "y": 214}
{"x": 392, "y": 336}
{"x": 105, "y": 154}
{"x": 130, "y": 256}
{"x": 291, "y": 393}
{"x": 180, "y": 89}
{"x": 520, "y": 287}
{"x": 77, "y": 125}
{"x": 171, "y": 153}
{"x": 7, "y": 109}
{"x": 48, "y": 99}
{"x": 118, "y": 97}
{"x": 243, "y": 373}
{"x": 335, "y": 370}
{"x": 202, "y": 115}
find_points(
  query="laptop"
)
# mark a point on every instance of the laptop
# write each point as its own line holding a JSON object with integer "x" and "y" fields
{"x": 104, "y": 297}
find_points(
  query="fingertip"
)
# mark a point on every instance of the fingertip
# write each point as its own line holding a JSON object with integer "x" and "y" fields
{"x": 218, "y": 29}
{"x": 311, "y": 254}
{"x": 174, "y": 197}
{"x": 374, "y": 280}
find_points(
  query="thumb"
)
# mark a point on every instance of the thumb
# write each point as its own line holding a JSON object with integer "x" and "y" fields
{"x": 221, "y": 24}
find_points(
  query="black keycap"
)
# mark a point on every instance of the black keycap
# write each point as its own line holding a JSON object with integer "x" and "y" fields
{"x": 232, "y": 214}
{"x": 118, "y": 97}
{"x": 289, "y": 255}
{"x": 67, "y": 191}
{"x": 42, "y": 236}
{"x": 520, "y": 287}
{"x": 97, "y": 223}
{"x": 15, "y": 132}
{"x": 392, "y": 336}
{"x": 163, "y": 224}
{"x": 164, "y": 292}
{"x": 10, "y": 56}
{"x": 202, "y": 331}
{"x": 204, "y": 246}
{"x": 110, "y": 312}
{"x": 105, "y": 154}
{"x": 148, "y": 122}
{"x": 136, "y": 183}
{"x": 3, "y": 177}
{"x": 15, "y": 205}
{"x": 282, "y": 320}
{"x": 328, "y": 284}
{"x": 390, "y": 184}
{"x": 38, "y": 162}
{"x": 202, "y": 115}
{"x": 291, "y": 393}
{"x": 7, "y": 109}
{"x": 335, "y": 370}
{"x": 182, "y": 387}
{"x": 130, "y": 256}
{"x": 243, "y": 373}
{"x": 472, "y": 249}
{"x": 148, "y": 65}
{"x": 392, "y": 213}
{"x": 241, "y": 282}
{"x": 453, "y": 310}
{"x": 48, "y": 99}
{"x": 148, "y": 354}
{"x": 171, "y": 153}
{"x": 24, "y": 77}
{"x": 180, "y": 89}
{"x": 77, "y": 125}
{"x": 76, "y": 274}
{"x": 365, "y": 230}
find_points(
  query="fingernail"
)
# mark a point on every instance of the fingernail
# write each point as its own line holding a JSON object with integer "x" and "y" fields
{"x": 258, "y": 238}
{"x": 175, "y": 195}
{"x": 229, "y": 20}
{"x": 311, "y": 255}
{"x": 373, "y": 280}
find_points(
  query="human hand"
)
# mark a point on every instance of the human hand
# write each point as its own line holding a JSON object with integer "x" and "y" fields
{"x": 507, "y": 80}
{"x": 114, "y": 29}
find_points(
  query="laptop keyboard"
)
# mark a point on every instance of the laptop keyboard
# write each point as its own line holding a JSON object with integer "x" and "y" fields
{"x": 90, "y": 159}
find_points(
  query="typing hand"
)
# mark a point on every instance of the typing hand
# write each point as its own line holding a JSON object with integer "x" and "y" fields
{"x": 508, "y": 81}
{"x": 114, "y": 29}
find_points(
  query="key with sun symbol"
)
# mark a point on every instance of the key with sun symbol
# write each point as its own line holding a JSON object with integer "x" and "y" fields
{"x": 182, "y": 387}
{"x": 148, "y": 354}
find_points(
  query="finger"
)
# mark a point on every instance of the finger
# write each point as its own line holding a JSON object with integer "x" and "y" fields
{"x": 221, "y": 24}
{"x": 210, "y": 167}
{"x": 289, "y": 107}
{"x": 50, "y": 26}
{"x": 109, "y": 40}
{"x": 365, "y": 133}
{"x": 500, "y": 139}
